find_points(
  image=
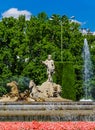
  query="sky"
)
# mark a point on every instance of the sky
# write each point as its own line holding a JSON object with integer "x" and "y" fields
{"x": 83, "y": 10}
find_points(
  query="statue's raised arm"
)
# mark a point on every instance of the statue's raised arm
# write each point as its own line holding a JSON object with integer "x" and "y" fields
{"x": 49, "y": 63}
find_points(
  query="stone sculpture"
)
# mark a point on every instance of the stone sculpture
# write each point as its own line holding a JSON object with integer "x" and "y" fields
{"x": 49, "y": 63}
{"x": 44, "y": 92}
{"x": 15, "y": 95}
{"x": 47, "y": 91}
{"x": 14, "y": 88}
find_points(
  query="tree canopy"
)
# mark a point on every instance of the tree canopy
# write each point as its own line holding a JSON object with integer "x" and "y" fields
{"x": 24, "y": 44}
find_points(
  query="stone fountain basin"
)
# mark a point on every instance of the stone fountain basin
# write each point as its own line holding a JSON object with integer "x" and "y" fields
{"x": 47, "y": 111}
{"x": 44, "y": 107}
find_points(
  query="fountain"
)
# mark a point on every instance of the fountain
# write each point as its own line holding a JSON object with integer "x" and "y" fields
{"x": 48, "y": 91}
{"x": 43, "y": 103}
{"x": 87, "y": 72}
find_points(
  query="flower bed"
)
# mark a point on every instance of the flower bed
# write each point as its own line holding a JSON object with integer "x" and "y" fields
{"x": 34, "y": 125}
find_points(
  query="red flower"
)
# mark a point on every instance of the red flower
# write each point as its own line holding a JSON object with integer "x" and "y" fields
{"x": 34, "y": 125}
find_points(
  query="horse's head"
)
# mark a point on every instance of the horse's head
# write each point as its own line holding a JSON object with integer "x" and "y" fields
{"x": 12, "y": 84}
{"x": 14, "y": 88}
{"x": 32, "y": 84}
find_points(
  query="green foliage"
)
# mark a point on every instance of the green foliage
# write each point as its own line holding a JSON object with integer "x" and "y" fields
{"x": 23, "y": 83}
{"x": 3, "y": 91}
{"x": 65, "y": 76}
{"x": 57, "y": 77}
{"x": 79, "y": 81}
{"x": 25, "y": 44}
{"x": 68, "y": 81}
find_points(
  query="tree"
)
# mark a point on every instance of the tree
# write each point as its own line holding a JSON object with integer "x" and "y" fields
{"x": 25, "y": 44}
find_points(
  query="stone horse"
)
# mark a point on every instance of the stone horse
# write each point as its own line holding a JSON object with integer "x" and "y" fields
{"x": 15, "y": 92}
{"x": 35, "y": 93}
{"x": 46, "y": 90}
{"x": 14, "y": 88}
{"x": 13, "y": 95}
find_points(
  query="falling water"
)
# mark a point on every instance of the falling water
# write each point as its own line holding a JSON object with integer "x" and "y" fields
{"x": 87, "y": 71}
{"x": 47, "y": 111}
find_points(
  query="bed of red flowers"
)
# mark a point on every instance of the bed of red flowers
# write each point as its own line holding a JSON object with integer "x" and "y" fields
{"x": 34, "y": 125}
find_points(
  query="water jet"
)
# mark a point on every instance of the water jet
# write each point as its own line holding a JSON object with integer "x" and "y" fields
{"x": 87, "y": 72}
